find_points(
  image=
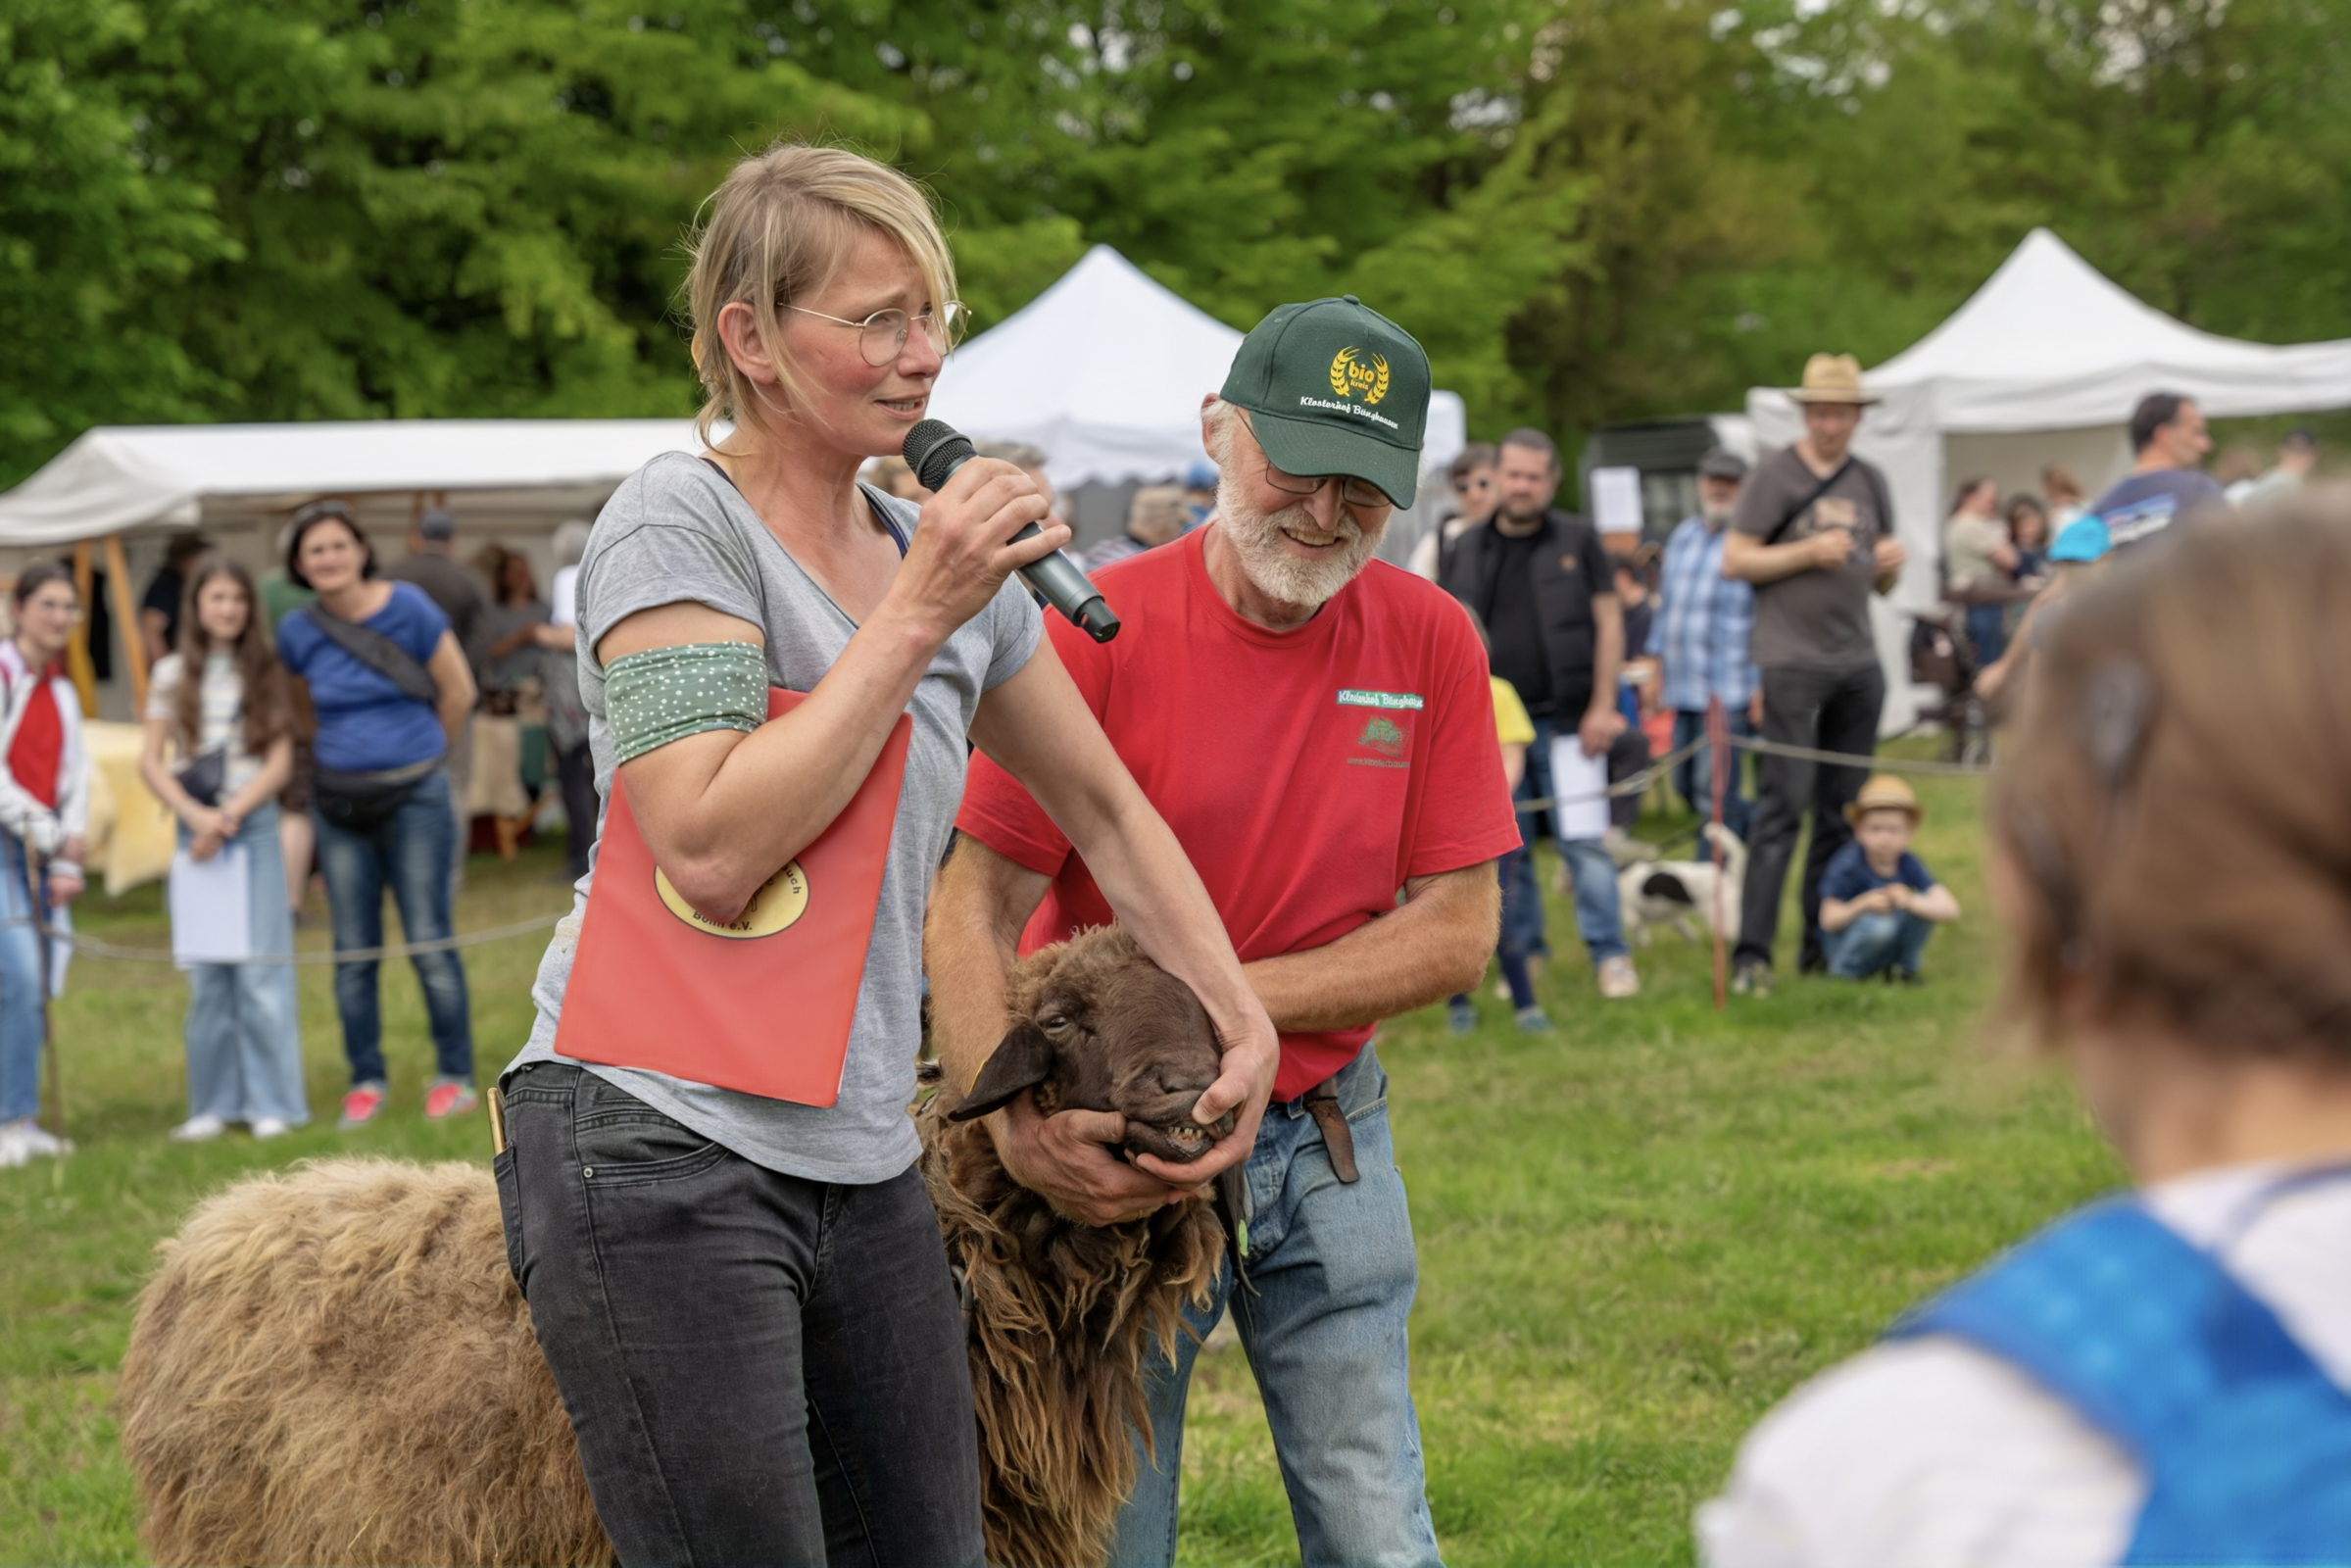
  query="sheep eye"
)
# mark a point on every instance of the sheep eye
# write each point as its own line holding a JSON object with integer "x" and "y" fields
{"x": 1056, "y": 1021}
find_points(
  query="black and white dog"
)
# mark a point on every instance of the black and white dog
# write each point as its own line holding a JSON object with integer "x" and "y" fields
{"x": 1682, "y": 894}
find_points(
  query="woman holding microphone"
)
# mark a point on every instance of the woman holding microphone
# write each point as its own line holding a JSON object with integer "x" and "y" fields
{"x": 744, "y": 1298}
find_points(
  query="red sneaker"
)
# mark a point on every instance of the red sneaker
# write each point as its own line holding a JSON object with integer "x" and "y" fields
{"x": 364, "y": 1105}
{"x": 449, "y": 1097}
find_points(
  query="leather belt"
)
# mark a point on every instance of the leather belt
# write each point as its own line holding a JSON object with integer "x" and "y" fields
{"x": 1322, "y": 1103}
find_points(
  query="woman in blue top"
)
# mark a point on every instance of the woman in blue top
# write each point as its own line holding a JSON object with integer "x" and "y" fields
{"x": 390, "y": 686}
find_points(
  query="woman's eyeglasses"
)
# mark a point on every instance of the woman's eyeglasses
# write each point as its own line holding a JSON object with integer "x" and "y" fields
{"x": 882, "y": 336}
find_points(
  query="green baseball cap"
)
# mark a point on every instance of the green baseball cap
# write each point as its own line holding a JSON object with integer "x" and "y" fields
{"x": 1336, "y": 387}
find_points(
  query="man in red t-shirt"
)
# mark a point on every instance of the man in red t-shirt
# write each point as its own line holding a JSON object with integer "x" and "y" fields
{"x": 1318, "y": 727}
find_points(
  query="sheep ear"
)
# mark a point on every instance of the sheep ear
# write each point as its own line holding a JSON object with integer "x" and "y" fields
{"x": 1023, "y": 1060}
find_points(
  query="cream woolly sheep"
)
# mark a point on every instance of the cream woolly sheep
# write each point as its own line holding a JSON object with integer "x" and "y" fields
{"x": 334, "y": 1365}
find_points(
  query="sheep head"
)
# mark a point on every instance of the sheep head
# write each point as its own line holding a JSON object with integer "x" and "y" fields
{"x": 1094, "y": 1024}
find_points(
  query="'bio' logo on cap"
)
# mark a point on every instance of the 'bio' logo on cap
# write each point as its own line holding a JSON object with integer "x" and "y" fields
{"x": 1354, "y": 374}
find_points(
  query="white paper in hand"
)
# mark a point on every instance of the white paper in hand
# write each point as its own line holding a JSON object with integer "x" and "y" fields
{"x": 1577, "y": 781}
{"x": 211, "y": 914}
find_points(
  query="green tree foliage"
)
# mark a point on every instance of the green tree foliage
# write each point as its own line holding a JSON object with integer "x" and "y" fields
{"x": 324, "y": 209}
{"x": 1587, "y": 208}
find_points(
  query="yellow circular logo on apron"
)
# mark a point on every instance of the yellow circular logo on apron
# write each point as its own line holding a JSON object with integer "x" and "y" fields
{"x": 774, "y": 908}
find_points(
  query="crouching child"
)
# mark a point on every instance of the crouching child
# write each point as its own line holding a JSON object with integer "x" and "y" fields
{"x": 1879, "y": 904}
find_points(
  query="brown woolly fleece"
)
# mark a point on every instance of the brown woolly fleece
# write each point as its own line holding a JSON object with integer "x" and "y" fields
{"x": 1060, "y": 1312}
{"x": 334, "y": 1365}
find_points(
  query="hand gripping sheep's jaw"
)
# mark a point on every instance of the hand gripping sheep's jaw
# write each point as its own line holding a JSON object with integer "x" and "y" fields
{"x": 1060, "y": 1312}
{"x": 1099, "y": 1027}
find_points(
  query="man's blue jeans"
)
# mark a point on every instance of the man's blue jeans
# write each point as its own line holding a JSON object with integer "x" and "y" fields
{"x": 408, "y": 852}
{"x": 1333, "y": 1273}
{"x": 1881, "y": 940}
{"x": 1694, "y": 775}
{"x": 1598, "y": 920}
{"x": 20, "y": 989}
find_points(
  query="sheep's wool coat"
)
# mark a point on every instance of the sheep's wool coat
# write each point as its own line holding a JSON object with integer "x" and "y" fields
{"x": 334, "y": 1365}
{"x": 1060, "y": 1314}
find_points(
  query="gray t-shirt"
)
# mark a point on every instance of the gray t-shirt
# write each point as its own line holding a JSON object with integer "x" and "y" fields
{"x": 1819, "y": 619}
{"x": 676, "y": 530}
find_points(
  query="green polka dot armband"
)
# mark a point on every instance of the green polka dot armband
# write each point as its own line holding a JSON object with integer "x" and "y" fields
{"x": 667, "y": 694}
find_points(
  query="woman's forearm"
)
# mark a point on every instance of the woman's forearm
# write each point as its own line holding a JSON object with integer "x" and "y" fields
{"x": 277, "y": 766}
{"x": 1039, "y": 729}
{"x": 158, "y": 777}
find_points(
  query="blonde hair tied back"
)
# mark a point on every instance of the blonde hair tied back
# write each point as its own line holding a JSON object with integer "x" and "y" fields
{"x": 778, "y": 230}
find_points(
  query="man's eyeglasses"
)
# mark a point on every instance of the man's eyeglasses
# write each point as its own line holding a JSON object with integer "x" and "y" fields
{"x": 1361, "y": 493}
{"x": 882, "y": 336}
{"x": 1358, "y": 493}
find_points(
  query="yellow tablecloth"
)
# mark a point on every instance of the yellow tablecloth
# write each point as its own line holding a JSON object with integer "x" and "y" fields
{"x": 131, "y": 832}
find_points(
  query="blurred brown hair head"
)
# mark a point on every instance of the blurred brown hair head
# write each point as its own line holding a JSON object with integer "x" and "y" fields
{"x": 2174, "y": 802}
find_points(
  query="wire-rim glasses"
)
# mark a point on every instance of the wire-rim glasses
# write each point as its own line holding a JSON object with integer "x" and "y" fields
{"x": 882, "y": 336}
{"x": 1358, "y": 493}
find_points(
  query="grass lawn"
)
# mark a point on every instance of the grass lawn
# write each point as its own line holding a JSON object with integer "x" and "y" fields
{"x": 1636, "y": 1233}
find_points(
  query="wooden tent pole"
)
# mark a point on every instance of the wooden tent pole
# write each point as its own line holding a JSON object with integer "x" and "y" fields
{"x": 78, "y": 650}
{"x": 127, "y": 617}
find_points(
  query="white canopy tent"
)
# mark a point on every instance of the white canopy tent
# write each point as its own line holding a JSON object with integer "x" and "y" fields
{"x": 1104, "y": 371}
{"x": 509, "y": 479}
{"x": 2043, "y": 364}
{"x": 131, "y": 478}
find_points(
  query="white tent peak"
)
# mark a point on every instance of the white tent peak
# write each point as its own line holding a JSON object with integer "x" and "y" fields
{"x": 2049, "y": 313}
{"x": 1104, "y": 371}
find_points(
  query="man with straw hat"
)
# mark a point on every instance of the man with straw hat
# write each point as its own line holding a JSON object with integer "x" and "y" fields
{"x": 1815, "y": 534}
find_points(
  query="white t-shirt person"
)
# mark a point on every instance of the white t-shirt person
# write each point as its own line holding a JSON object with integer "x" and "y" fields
{"x": 1930, "y": 1454}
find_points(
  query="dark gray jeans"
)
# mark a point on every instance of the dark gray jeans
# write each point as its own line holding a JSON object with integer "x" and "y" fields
{"x": 760, "y": 1369}
{"x": 1830, "y": 710}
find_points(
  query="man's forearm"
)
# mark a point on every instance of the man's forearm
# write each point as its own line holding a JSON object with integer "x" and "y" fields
{"x": 1747, "y": 561}
{"x": 1608, "y": 651}
{"x": 1434, "y": 946}
{"x": 968, "y": 943}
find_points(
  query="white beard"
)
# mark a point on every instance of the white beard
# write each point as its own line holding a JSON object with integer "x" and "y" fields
{"x": 1278, "y": 573}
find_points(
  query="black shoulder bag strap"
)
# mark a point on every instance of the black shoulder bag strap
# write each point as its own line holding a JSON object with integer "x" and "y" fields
{"x": 1800, "y": 507}
{"x": 379, "y": 653}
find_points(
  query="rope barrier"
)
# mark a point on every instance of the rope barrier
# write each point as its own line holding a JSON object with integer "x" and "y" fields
{"x": 1638, "y": 783}
{"x": 1882, "y": 765}
{"x": 1631, "y": 784}
{"x": 122, "y": 953}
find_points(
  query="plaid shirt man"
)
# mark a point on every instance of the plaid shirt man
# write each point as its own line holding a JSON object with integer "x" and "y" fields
{"x": 1703, "y": 624}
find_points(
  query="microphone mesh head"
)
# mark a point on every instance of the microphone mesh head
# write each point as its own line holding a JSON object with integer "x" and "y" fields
{"x": 932, "y": 450}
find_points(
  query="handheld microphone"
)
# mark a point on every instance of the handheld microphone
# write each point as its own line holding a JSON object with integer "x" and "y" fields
{"x": 935, "y": 449}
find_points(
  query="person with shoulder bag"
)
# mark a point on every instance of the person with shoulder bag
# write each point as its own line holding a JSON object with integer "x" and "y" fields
{"x": 220, "y": 703}
{"x": 390, "y": 686}
{"x": 44, "y": 803}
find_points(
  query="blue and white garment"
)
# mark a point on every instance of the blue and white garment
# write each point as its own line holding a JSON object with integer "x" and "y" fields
{"x": 1704, "y": 622}
{"x": 2160, "y": 1379}
{"x": 2243, "y": 1439}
